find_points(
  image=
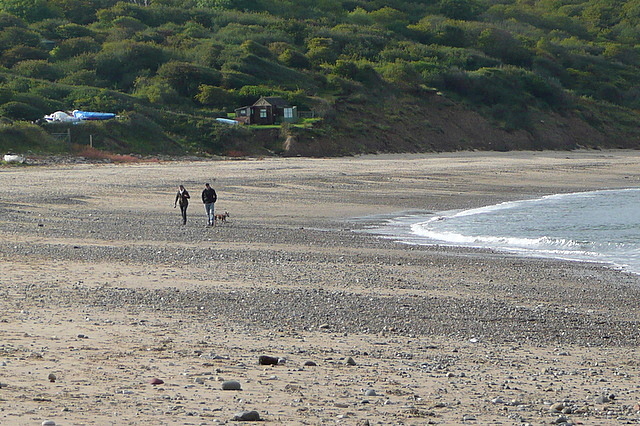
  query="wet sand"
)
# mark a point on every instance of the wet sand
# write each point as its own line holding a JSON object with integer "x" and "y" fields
{"x": 103, "y": 287}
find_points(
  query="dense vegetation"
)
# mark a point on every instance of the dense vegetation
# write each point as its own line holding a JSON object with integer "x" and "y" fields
{"x": 393, "y": 75}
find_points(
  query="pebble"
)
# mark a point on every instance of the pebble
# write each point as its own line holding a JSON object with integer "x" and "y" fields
{"x": 51, "y": 377}
{"x": 156, "y": 381}
{"x": 48, "y": 423}
{"x": 231, "y": 385}
{"x": 370, "y": 392}
{"x": 310, "y": 364}
{"x": 247, "y": 416}
{"x": 350, "y": 361}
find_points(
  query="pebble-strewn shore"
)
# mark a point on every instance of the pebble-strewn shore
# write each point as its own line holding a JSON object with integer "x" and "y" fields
{"x": 103, "y": 287}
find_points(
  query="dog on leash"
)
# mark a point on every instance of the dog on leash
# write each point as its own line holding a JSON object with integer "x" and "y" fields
{"x": 222, "y": 218}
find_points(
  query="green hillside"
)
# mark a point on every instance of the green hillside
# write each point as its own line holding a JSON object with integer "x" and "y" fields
{"x": 368, "y": 76}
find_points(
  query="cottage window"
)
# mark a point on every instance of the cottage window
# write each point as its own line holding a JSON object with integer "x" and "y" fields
{"x": 263, "y": 113}
{"x": 288, "y": 113}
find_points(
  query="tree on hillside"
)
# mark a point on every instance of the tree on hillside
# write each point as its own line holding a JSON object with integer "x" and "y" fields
{"x": 186, "y": 78}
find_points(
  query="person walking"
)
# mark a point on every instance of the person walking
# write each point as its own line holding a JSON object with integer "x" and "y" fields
{"x": 182, "y": 198}
{"x": 209, "y": 198}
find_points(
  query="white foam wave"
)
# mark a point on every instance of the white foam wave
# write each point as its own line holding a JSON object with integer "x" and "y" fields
{"x": 419, "y": 229}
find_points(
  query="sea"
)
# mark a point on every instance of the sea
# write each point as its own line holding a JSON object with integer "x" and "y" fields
{"x": 596, "y": 226}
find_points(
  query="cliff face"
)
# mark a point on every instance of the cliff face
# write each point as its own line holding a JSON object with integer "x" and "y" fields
{"x": 438, "y": 124}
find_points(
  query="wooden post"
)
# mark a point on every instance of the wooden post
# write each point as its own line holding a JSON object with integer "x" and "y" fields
{"x": 91, "y": 141}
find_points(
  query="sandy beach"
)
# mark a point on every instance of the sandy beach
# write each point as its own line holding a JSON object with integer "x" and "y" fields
{"x": 103, "y": 290}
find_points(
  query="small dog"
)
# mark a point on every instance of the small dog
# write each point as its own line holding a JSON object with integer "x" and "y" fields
{"x": 222, "y": 218}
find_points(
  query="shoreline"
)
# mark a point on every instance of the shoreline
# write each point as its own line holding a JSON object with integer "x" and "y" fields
{"x": 399, "y": 227}
{"x": 104, "y": 288}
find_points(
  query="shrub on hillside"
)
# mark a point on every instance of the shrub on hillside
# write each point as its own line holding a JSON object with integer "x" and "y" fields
{"x": 20, "y": 111}
{"x": 74, "y": 47}
{"x": 21, "y": 53}
{"x": 217, "y": 97}
{"x": 121, "y": 63}
{"x": 185, "y": 77}
{"x": 37, "y": 69}
{"x": 158, "y": 92}
{"x": 21, "y": 136}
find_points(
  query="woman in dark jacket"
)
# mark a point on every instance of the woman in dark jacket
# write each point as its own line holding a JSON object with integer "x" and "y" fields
{"x": 182, "y": 198}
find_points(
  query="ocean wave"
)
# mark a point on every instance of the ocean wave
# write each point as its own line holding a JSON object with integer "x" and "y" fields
{"x": 596, "y": 226}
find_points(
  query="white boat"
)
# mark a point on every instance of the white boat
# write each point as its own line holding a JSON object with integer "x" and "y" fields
{"x": 227, "y": 121}
{"x": 14, "y": 158}
{"x": 61, "y": 116}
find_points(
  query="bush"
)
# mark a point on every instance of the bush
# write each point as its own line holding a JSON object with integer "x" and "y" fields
{"x": 157, "y": 92}
{"x": 217, "y": 97}
{"x": 37, "y": 69}
{"x": 122, "y": 62}
{"x": 185, "y": 77}
{"x": 232, "y": 79}
{"x": 22, "y": 136}
{"x": 75, "y": 47}
{"x": 30, "y": 10}
{"x": 21, "y": 53}
{"x": 83, "y": 78}
{"x": 94, "y": 99}
{"x": 269, "y": 72}
{"x": 20, "y": 111}
{"x": 16, "y": 36}
{"x": 67, "y": 31}
{"x": 257, "y": 49}
{"x": 294, "y": 59}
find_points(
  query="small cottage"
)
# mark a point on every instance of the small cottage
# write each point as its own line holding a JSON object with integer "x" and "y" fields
{"x": 267, "y": 110}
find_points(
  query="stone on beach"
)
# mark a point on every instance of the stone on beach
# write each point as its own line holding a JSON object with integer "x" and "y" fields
{"x": 267, "y": 360}
{"x": 557, "y": 407}
{"x": 247, "y": 416}
{"x": 231, "y": 385}
{"x": 156, "y": 381}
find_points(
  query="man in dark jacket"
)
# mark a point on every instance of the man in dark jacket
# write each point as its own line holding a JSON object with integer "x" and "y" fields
{"x": 209, "y": 198}
{"x": 182, "y": 198}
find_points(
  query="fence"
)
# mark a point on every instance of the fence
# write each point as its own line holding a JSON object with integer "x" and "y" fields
{"x": 65, "y": 137}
